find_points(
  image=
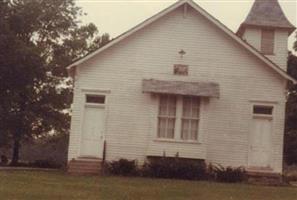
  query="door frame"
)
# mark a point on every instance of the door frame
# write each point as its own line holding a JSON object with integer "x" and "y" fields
{"x": 262, "y": 116}
{"x": 84, "y": 104}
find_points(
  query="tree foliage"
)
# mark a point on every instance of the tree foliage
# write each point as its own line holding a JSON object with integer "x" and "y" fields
{"x": 38, "y": 38}
{"x": 291, "y": 114}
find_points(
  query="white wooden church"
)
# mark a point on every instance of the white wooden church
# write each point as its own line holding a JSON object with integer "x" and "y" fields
{"x": 182, "y": 83}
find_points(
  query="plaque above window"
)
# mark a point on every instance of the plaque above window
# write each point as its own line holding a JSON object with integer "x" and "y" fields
{"x": 180, "y": 69}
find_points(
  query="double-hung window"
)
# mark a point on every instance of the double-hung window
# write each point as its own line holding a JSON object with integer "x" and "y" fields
{"x": 167, "y": 115}
{"x": 178, "y": 117}
{"x": 190, "y": 118}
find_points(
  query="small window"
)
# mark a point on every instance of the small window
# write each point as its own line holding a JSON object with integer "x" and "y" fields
{"x": 97, "y": 99}
{"x": 267, "y": 42}
{"x": 263, "y": 110}
{"x": 180, "y": 69}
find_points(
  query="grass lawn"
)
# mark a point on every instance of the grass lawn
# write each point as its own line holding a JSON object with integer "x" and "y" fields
{"x": 19, "y": 185}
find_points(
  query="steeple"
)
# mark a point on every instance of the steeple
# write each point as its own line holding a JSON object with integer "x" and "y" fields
{"x": 266, "y": 28}
{"x": 266, "y": 14}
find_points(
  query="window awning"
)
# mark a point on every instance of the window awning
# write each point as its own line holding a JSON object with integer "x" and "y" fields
{"x": 203, "y": 89}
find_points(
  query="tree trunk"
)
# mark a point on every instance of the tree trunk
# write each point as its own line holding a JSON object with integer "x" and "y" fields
{"x": 15, "y": 152}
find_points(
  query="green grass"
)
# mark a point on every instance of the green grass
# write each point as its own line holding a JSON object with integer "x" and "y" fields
{"x": 19, "y": 185}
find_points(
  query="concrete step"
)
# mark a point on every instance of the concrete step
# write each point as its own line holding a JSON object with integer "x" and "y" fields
{"x": 84, "y": 166}
{"x": 84, "y": 171}
{"x": 264, "y": 178}
{"x": 87, "y": 161}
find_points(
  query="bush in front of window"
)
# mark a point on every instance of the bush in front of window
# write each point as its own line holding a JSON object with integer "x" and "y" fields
{"x": 175, "y": 168}
{"x": 122, "y": 167}
{"x": 227, "y": 174}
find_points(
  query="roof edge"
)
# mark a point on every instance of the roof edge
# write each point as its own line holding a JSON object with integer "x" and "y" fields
{"x": 130, "y": 32}
{"x": 243, "y": 26}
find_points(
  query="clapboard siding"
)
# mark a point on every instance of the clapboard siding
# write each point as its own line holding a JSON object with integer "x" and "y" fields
{"x": 151, "y": 53}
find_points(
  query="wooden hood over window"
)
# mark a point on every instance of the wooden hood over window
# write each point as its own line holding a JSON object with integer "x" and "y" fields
{"x": 202, "y": 89}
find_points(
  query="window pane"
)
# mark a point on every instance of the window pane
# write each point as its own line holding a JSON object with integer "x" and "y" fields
{"x": 190, "y": 121}
{"x": 162, "y": 127}
{"x": 185, "y": 129}
{"x": 264, "y": 110}
{"x": 163, "y": 110}
{"x": 163, "y": 100}
{"x": 191, "y": 107}
{"x": 186, "y": 106}
{"x": 172, "y": 101}
{"x": 194, "y": 129}
{"x": 167, "y": 105}
{"x": 172, "y": 111}
{"x": 163, "y": 105}
{"x": 170, "y": 128}
{"x": 195, "y": 112}
{"x": 171, "y": 106}
{"x": 99, "y": 99}
{"x": 186, "y": 110}
{"x": 187, "y": 100}
{"x": 167, "y": 112}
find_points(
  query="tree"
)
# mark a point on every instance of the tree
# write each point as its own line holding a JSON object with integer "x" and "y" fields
{"x": 291, "y": 113}
{"x": 38, "y": 38}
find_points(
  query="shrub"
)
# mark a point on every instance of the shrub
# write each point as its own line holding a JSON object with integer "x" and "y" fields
{"x": 44, "y": 164}
{"x": 229, "y": 174}
{"x": 3, "y": 160}
{"x": 39, "y": 164}
{"x": 121, "y": 167}
{"x": 178, "y": 168}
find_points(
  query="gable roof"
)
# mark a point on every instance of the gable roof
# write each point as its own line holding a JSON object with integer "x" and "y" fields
{"x": 267, "y": 13}
{"x": 255, "y": 52}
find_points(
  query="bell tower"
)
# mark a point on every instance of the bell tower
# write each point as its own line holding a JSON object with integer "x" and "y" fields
{"x": 267, "y": 29}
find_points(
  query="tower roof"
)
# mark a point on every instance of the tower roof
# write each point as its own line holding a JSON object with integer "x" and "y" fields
{"x": 266, "y": 13}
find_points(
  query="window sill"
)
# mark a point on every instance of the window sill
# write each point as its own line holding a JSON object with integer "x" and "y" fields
{"x": 177, "y": 141}
{"x": 262, "y": 116}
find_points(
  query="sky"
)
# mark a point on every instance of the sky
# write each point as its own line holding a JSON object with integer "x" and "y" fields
{"x": 117, "y": 16}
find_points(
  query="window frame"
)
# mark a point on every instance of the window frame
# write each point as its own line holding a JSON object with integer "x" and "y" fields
{"x": 178, "y": 123}
{"x": 267, "y": 116}
{"x": 99, "y": 92}
{"x": 94, "y": 95}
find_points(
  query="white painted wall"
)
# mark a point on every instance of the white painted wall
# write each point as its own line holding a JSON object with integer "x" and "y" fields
{"x": 212, "y": 56}
{"x": 253, "y": 37}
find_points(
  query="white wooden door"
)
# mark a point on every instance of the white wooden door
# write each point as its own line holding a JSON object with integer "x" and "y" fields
{"x": 92, "y": 132}
{"x": 260, "y": 142}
